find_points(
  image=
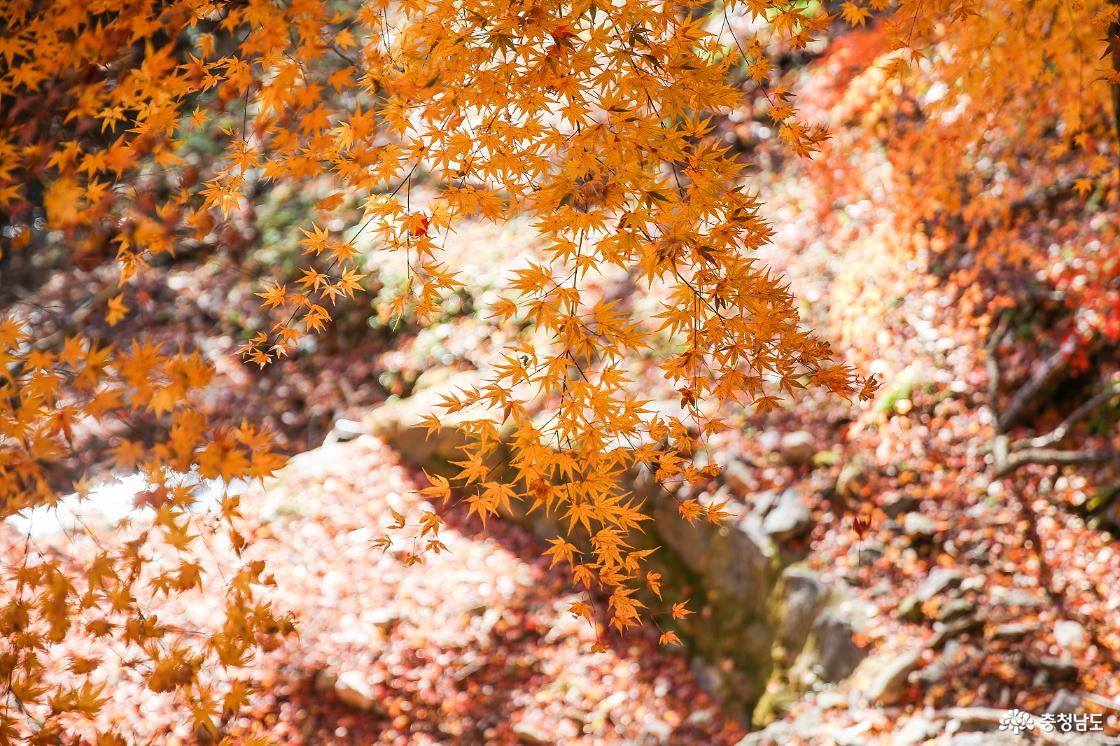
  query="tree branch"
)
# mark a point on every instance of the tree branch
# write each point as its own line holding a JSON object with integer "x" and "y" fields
{"x": 1053, "y": 457}
{"x": 1059, "y": 433}
{"x": 1045, "y": 377}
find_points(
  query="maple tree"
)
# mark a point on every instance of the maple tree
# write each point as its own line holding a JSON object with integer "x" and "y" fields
{"x": 599, "y": 120}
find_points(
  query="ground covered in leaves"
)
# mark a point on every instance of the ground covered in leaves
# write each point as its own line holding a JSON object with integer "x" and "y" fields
{"x": 473, "y": 646}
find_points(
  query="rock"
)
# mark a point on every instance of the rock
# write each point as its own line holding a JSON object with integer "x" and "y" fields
{"x": 1058, "y": 669}
{"x": 778, "y": 733}
{"x": 345, "y": 430}
{"x": 837, "y": 652}
{"x": 917, "y": 730}
{"x": 955, "y": 608}
{"x": 1014, "y": 630}
{"x": 530, "y": 734}
{"x": 974, "y": 583}
{"x": 919, "y": 526}
{"x": 789, "y": 519}
{"x": 937, "y": 581}
{"x": 888, "y": 687}
{"x": 1064, "y": 702}
{"x": 910, "y": 609}
{"x": 738, "y": 475}
{"x": 803, "y": 592}
{"x": 797, "y": 448}
{"x": 1020, "y": 598}
{"x": 899, "y": 505}
{"x": 401, "y": 422}
{"x": 433, "y": 377}
{"x": 985, "y": 739}
{"x": 325, "y": 680}
{"x": 354, "y": 690}
{"x": 870, "y": 552}
{"x": 657, "y": 731}
{"x": 1069, "y": 635}
{"x": 952, "y": 630}
{"x": 690, "y": 541}
{"x": 854, "y": 480}
{"x": 738, "y": 563}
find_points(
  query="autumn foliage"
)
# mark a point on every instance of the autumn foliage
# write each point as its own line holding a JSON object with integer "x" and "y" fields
{"x": 600, "y": 120}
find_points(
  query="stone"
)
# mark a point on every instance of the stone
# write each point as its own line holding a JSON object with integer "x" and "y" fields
{"x": 789, "y": 519}
{"x": 1015, "y": 598}
{"x": 803, "y": 592}
{"x": 433, "y": 377}
{"x": 944, "y": 632}
{"x": 899, "y": 505}
{"x": 400, "y": 422}
{"x": 738, "y": 563}
{"x": 837, "y": 652}
{"x": 775, "y": 734}
{"x": 985, "y": 739}
{"x": 936, "y": 582}
{"x": 1069, "y": 635}
{"x": 917, "y": 730}
{"x": 955, "y": 608}
{"x": 854, "y": 479}
{"x": 325, "y": 680}
{"x": 738, "y": 475}
{"x": 1014, "y": 630}
{"x": 690, "y": 541}
{"x": 797, "y": 448}
{"x": 919, "y": 526}
{"x": 910, "y": 609}
{"x": 1064, "y": 702}
{"x": 530, "y": 734}
{"x": 869, "y": 552}
{"x": 1058, "y": 669}
{"x": 354, "y": 690}
{"x": 345, "y": 430}
{"x": 974, "y": 583}
{"x": 888, "y": 687}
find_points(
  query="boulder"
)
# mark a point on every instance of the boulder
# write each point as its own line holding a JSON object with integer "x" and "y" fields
{"x": 400, "y": 422}
{"x": 939, "y": 580}
{"x": 837, "y": 652}
{"x": 919, "y": 526}
{"x": 802, "y": 592}
{"x": 899, "y": 504}
{"x": 738, "y": 563}
{"x": 789, "y": 519}
{"x": 1069, "y": 635}
{"x": 1014, "y": 630}
{"x": 888, "y": 685}
{"x": 354, "y": 690}
{"x": 1064, "y": 702}
{"x": 738, "y": 475}
{"x": 797, "y": 448}
{"x": 690, "y": 541}
{"x": 956, "y": 608}
{"x": 917, "y": 730}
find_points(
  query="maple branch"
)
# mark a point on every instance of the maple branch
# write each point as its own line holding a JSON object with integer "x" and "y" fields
{"x": 1010, "y": 456}
{"x": 1059, "y": 433}
{"x": 993, "y": 366}
{"x": 1053, "y": 457}
{"x": 1045, "y": 377}
{"x": 1114, "y": 45}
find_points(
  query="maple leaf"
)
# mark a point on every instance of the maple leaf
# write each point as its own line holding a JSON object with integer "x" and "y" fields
{"x": 669, "y": 638}
{"x": 117, "y": 310}
{"x": 440, "y": 488}
{"x": 855, "y": 15}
